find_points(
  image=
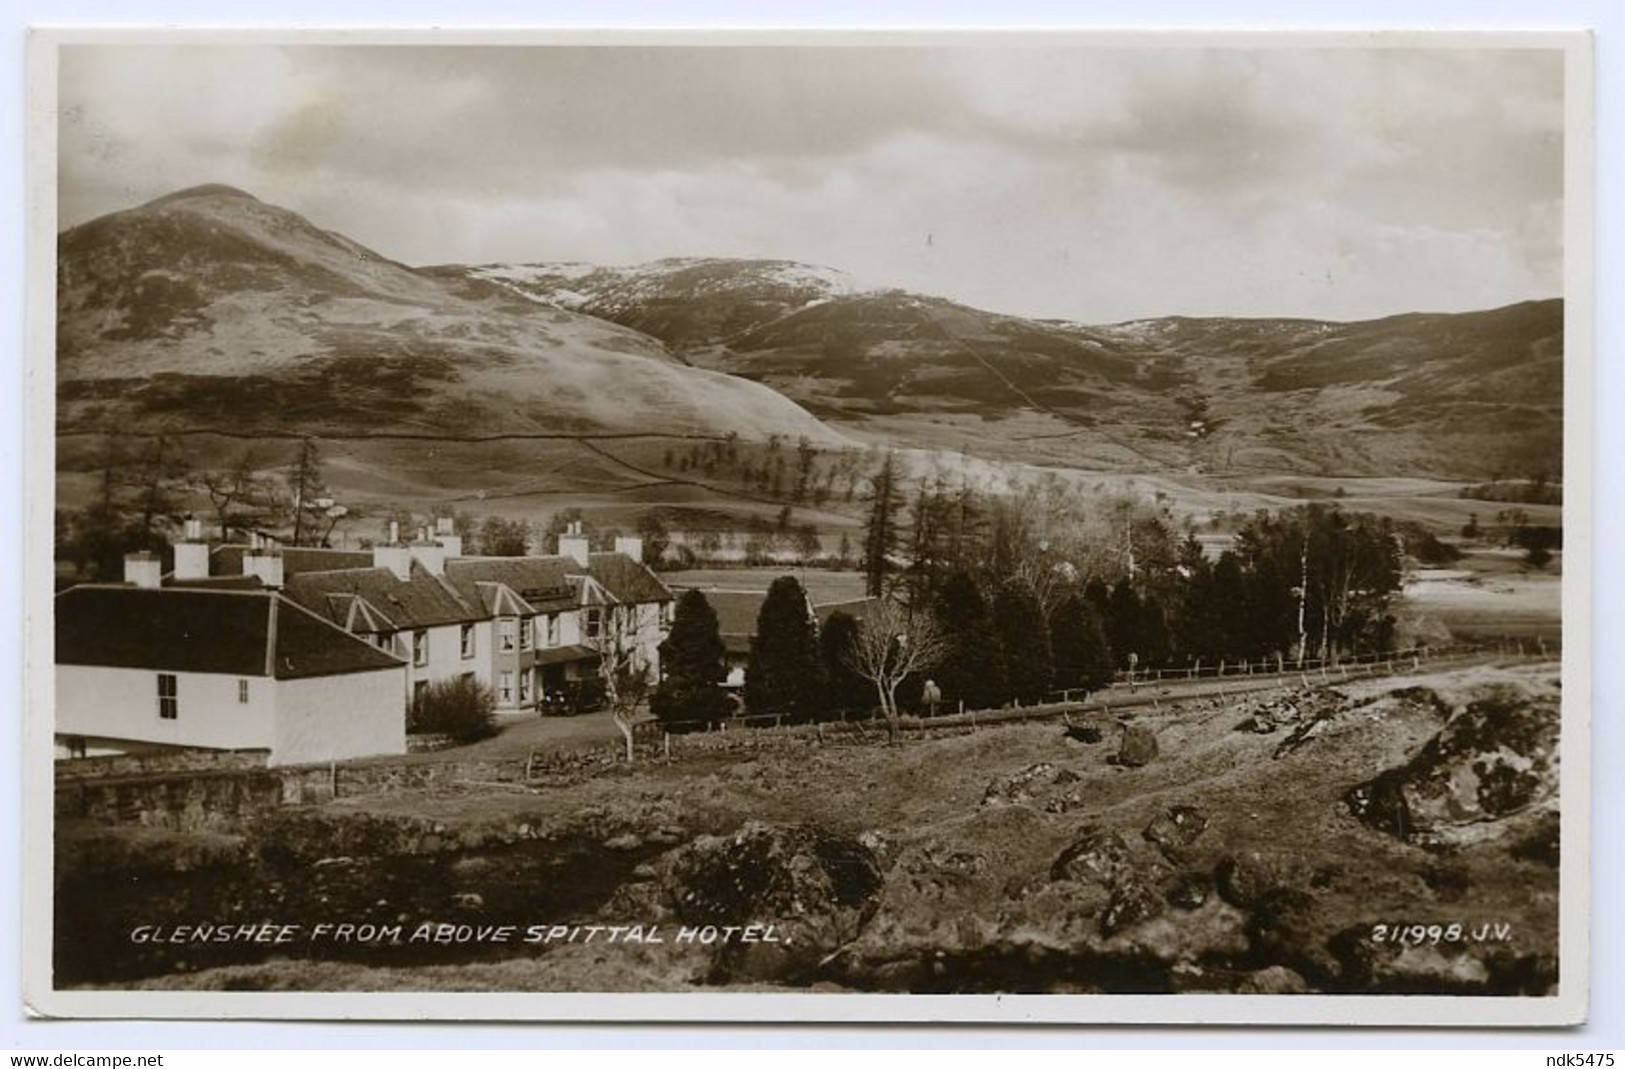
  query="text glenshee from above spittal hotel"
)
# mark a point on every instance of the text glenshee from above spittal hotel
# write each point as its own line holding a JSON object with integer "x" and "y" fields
{"x": 812, "y": 517}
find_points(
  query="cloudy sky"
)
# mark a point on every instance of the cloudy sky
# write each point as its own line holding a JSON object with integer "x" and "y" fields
{"x": 1057, "y": 181}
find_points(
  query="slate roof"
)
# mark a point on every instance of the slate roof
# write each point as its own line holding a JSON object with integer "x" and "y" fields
{"x": 629, "y": 581}
{"x": 858, "y": 608}
{"x": 187, "y": 629}
{"x": 737, "y": 611}
{"x": 422, "y": 601}
{"x": 736, "y": 616}
{"x": 217, "y": 582}
{"x": 227, "y": 559}
{"x": 543, "y": 582}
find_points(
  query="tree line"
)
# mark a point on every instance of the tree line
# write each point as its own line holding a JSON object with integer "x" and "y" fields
{"x": 982, "y": 599}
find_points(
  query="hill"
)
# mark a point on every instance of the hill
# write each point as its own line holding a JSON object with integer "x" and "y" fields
{"x": 1456, "y": 396}
{"x": 211, "y": 308}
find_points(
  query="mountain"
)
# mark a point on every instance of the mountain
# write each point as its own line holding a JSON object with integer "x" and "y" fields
{"x": 211, "y": 308}
{"x": 1450, "y": 395}
{"x": 683, "y": 301}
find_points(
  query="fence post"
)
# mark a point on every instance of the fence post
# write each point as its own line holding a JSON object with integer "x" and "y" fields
{"x": 333, "y": 778}
{"x": 665, "y": 742}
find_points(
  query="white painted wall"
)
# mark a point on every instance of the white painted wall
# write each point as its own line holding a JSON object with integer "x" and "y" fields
{"x": 445, "y": 657}
{"x": 330, "y": 718}
{"x": 122, "y": 703}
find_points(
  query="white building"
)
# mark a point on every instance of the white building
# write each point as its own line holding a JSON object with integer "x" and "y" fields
{"x": 143, "y": 667}
{"x": 524, "y": 626}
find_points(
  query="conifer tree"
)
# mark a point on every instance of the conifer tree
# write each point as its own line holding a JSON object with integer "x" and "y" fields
{"x": 971, "y": 669}
{"x": 1078, "y": 645}
{"x": 786, "y": 672}
{"x": 847, "y": 689}
{"x": 694, "y": 663}
{"x": 1019, "y": 621}
{"x": 881, "y": 532}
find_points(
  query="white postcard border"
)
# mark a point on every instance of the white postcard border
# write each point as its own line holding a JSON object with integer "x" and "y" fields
{"x": 1569, "y": 1007}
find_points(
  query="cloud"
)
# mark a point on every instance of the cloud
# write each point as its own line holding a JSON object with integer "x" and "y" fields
{"x": 1052, "y": 180}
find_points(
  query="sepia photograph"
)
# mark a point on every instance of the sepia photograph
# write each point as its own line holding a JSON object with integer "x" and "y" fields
{"x": 1086, "y": 525}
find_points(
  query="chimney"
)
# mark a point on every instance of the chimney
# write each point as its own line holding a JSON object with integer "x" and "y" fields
{"x": 446, "y": 534}
{"x": 191, "y": 560}
{"x": 574, "y": 545}
{"x": 143, "y": 569}
{"x": 192, "y": 553}
{"x": 630, "y": 545}
{"x": 432, "y": 555}
{"x": 397, "y": 558}
{"x": 264, "y": 565}
{"x": 394, "y": 532}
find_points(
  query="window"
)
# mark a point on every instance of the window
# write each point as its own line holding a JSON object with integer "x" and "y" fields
{"x": 468, "y": 641}
{"x": 665, "y": 613}
{"x": 505, "y": 688}
{"x": 552, "y": 629}
{"x": 505, "y": 634}
{"x": 168, "y": 700}
{"x": 524, "y": 634}
{"x": 384, "y": 640}
{"x": 419, "y": 689}
{"x": 242, "y": 692}
{"x": 524, "y": 687}
{"x": 420, "y": 648}
{"x": 595, "y": 621}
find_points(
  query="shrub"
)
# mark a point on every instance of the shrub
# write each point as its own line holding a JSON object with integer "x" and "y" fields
{"x": 463, "y": 708}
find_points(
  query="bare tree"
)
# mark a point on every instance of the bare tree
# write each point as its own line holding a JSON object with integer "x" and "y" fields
{"x": 238, "y": 487}
{"x": 892, "y": 644}
{"x": 626, "y": 679}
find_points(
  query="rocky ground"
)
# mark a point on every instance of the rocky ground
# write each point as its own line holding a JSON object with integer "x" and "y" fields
{"x": 1384, "y": 836}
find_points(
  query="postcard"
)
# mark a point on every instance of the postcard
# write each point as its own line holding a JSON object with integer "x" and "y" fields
{"x": 809, "y": 526}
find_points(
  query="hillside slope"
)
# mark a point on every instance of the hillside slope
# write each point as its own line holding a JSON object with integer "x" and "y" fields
{"x": 211, "y": 308}
{"x": 1463, "y": 395}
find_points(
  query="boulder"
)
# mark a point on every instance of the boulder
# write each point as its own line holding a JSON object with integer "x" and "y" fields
{"x": 1084, "y": 733}
{"x": 1245, "y": 879}
{"x": 1176, "y": 828}
{"x": 1495, "y": 758}
{"x": 1189, "y": 890}
{"x": 1017, "y": 787}
{"x": 1131, "y": 903}
{"x": 1098, "y": 857}
{"x": 815, "y": 887}
{"x": 1137, "y": 748}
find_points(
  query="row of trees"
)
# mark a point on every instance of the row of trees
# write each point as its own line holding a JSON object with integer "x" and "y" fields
{"x": 965, "y": 648}
{"x": 144, "y": 489}
{"x": 1307, "y": 582}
